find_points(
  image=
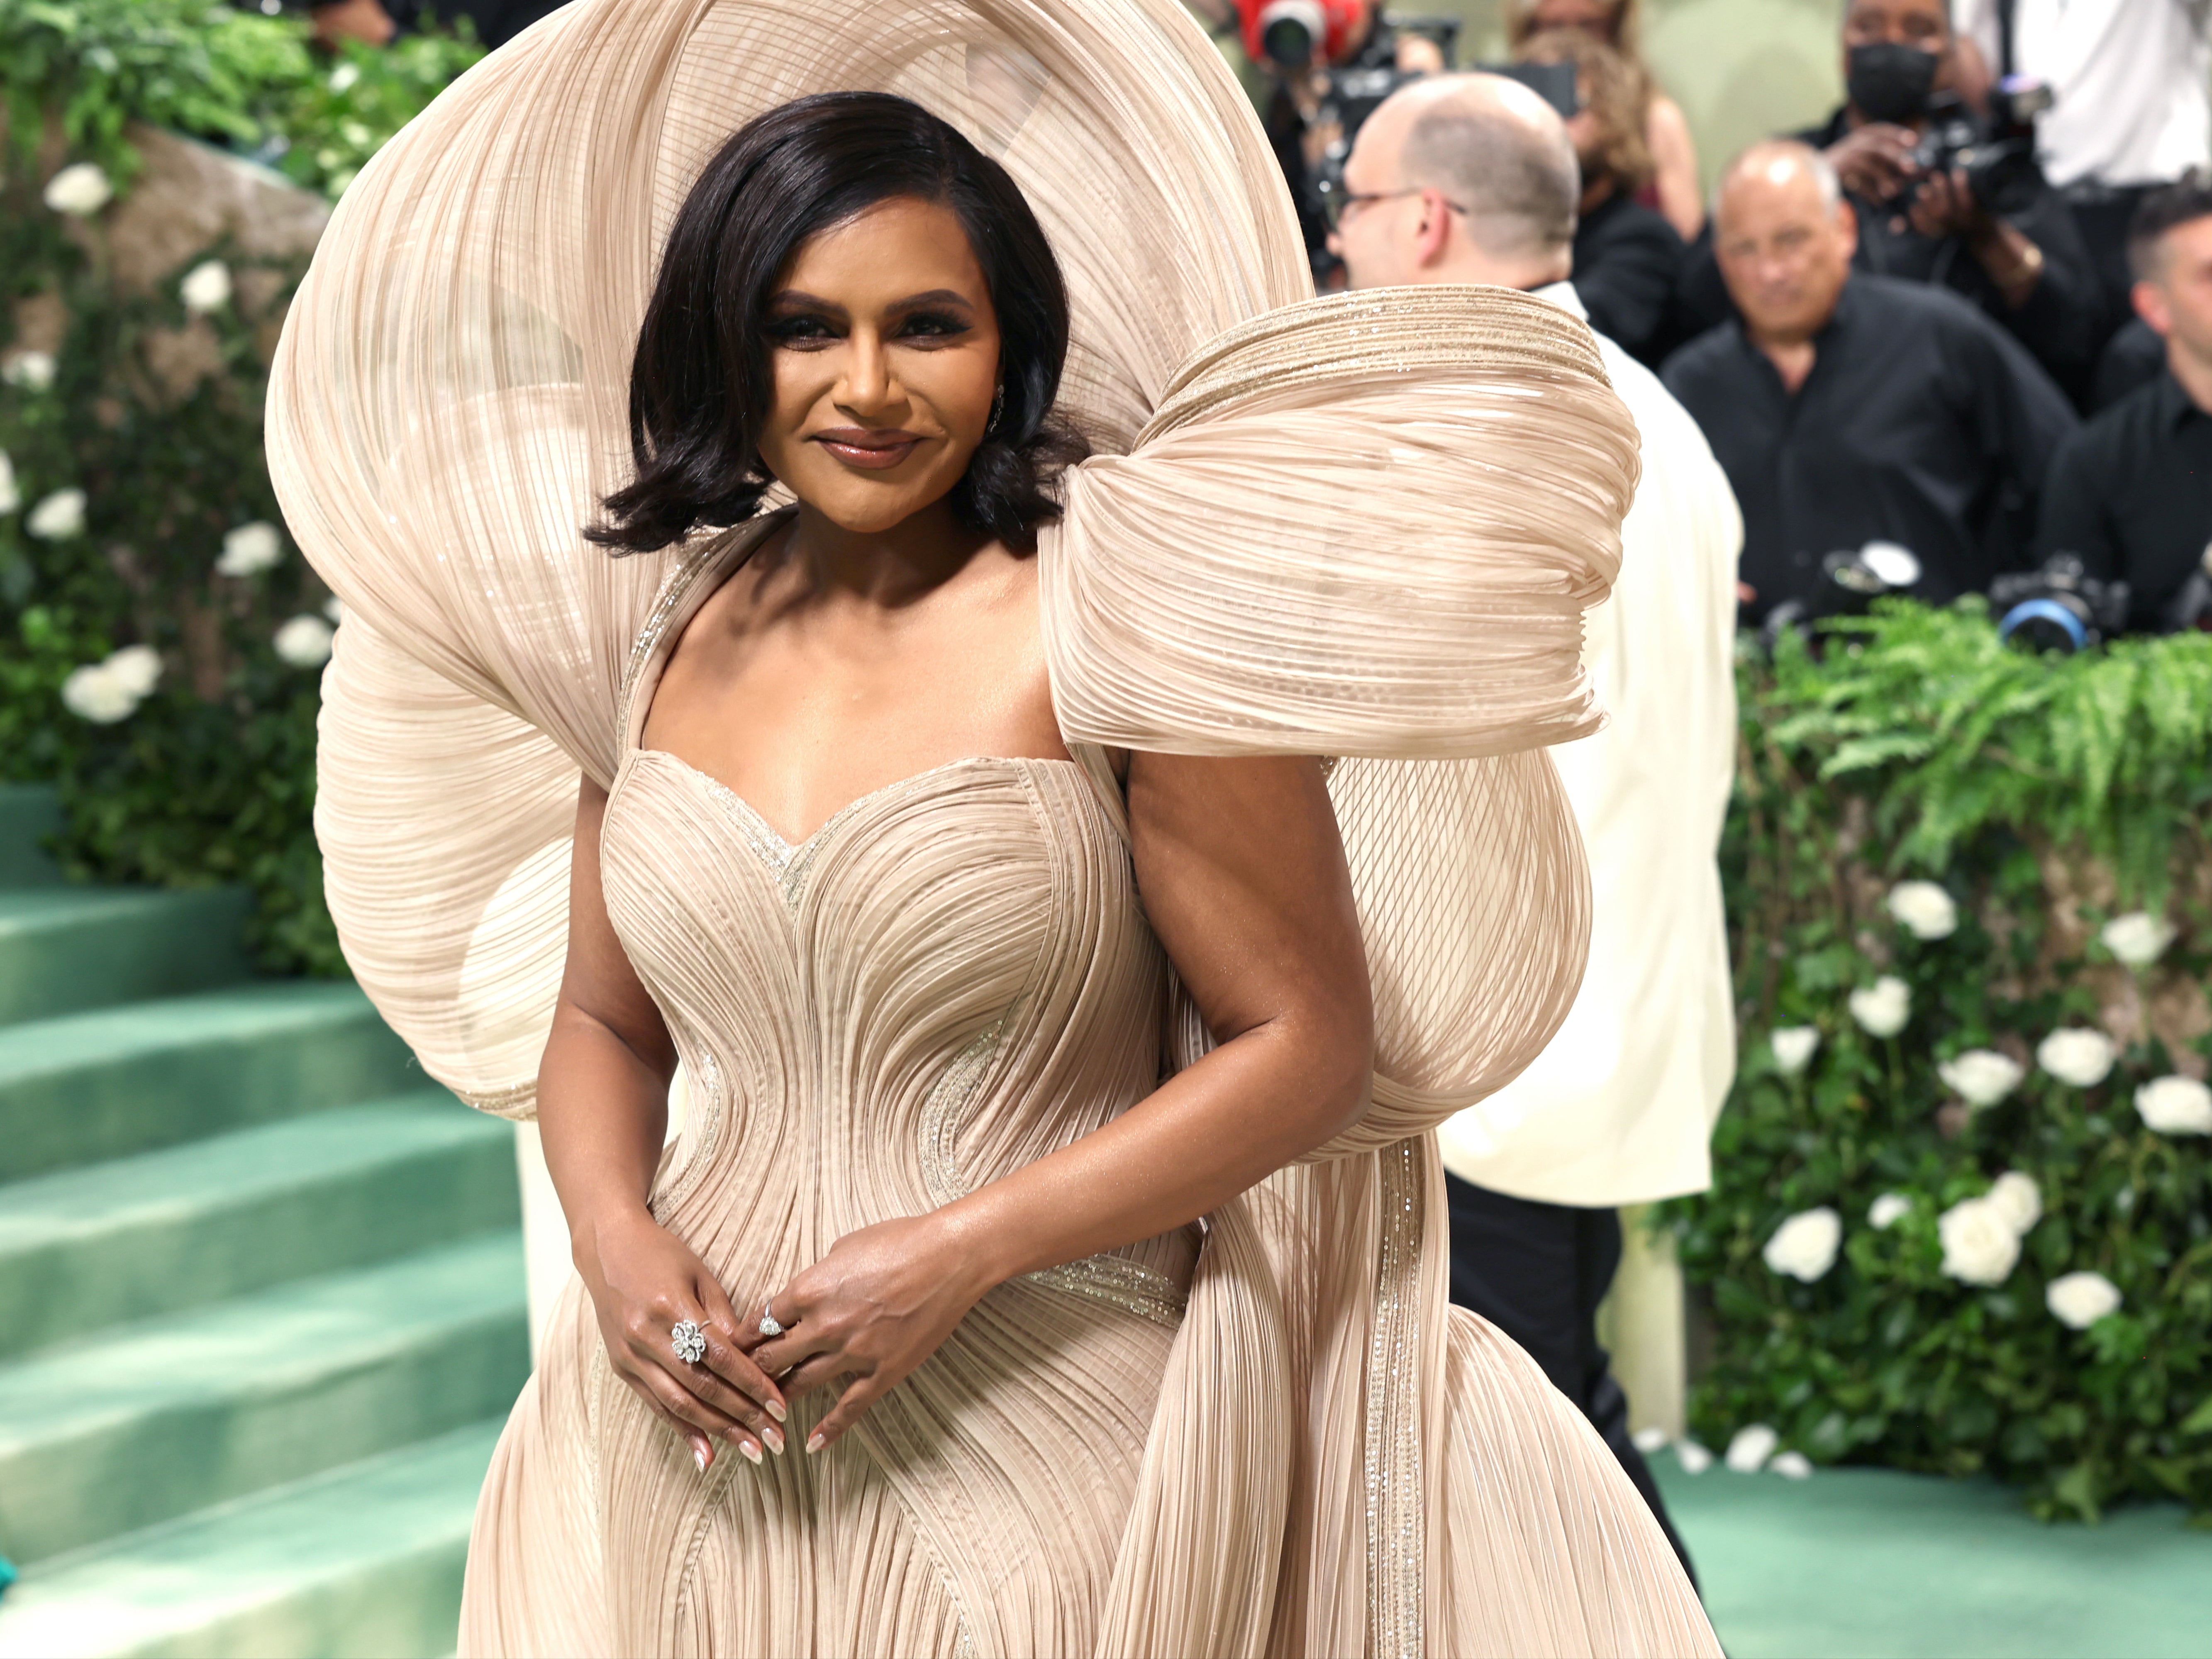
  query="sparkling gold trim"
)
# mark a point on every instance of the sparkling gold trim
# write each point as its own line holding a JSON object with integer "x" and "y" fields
{"x": 1129, "y": 1285}
{"x": 1393, "y": 1447}
{"x": 518, "y": 1102}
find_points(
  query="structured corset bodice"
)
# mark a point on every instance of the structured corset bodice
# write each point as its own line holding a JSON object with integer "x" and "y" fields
{"x": 950, "y": 978}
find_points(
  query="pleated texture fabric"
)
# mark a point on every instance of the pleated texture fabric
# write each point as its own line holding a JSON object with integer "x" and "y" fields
{"x": 1365, "y": 528}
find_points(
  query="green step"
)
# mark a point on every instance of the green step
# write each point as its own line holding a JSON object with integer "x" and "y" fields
{"x": 135, "y": 1426}
{"x": 192, "y": 1224}
{"x": 84, "y": 1088}
{"x": 66, "y": 949}
{"x": 28, "y": 814}
{"x": 364, "y": 1561}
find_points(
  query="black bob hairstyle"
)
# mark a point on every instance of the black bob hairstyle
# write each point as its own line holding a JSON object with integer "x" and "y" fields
{"x": 700, "y": 386}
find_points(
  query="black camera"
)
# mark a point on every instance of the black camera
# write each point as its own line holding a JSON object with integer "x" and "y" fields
{"x": 2060, "y": 607}
{"x": 1998, "y": 160}
{"x": 1850, "y": 582}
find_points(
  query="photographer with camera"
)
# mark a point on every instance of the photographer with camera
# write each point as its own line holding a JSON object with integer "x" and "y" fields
{"x": 2131, "y": 495}
{"x": 1849, "y": 408}
{"x": 1329, "y": 62}
{"x": 1944, "y": 197}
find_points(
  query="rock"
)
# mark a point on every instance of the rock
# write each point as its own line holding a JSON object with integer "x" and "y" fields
{"x": 189, "y": 196}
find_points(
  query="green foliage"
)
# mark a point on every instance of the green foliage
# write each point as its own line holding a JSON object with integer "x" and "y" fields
{"x": 155, "y": 415}
{"x": 2044, "y": 794}
{"x": 205, "y": 68}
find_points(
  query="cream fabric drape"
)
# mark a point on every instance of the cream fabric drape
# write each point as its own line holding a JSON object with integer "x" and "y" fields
{"x": 1363, "y": 528}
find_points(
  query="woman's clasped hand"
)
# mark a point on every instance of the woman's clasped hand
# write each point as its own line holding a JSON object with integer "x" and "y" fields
{"x": 644, "y": 1282}
{"x": 868, "y": 1313}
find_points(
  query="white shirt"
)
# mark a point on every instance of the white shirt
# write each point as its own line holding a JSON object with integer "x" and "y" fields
{"x": 1619, "y": 1109}
{"x": 2129, "y": 77}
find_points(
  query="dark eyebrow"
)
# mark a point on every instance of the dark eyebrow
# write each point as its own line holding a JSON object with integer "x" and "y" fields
{"x": 936, "y": 296}
{"x": 799, "y": 299}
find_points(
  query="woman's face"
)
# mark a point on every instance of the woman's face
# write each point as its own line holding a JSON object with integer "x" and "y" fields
{"x": 883, "y": 351}
{"x": 1594, "y": 18}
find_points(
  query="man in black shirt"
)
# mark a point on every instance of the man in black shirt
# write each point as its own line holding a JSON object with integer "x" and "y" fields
{"x": 1847, "y": 408}
{"x": 2023, "y": 263}
{"x": 2132, "y": 493}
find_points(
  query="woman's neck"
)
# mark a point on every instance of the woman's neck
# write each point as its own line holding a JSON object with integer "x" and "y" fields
{"x": 889, "y": 567}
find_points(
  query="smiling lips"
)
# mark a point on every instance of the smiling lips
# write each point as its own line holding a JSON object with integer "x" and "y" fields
{"x": 875, "y": 452}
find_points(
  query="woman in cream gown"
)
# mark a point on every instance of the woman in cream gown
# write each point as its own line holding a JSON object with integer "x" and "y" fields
{"x": 1363, "y": 528}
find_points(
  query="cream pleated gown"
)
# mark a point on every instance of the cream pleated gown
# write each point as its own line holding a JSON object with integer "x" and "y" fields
{"x": 1364, "y": 527}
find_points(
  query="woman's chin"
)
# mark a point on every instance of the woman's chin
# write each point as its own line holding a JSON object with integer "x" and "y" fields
{"x": 870, "y": 512}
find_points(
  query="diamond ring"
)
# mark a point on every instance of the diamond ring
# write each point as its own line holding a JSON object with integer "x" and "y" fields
{"x": 769, "y": 1325}
{"x": 689, "y": 1343}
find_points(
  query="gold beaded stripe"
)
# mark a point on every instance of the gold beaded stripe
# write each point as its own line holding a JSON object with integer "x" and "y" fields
{"x": 1395, "y": 1546}
{"x": 1493, "y": 332}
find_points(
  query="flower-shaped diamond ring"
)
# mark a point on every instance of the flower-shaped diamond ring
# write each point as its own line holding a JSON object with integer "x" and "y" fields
{"x": 769, "y": 1326}
{"x": 690, "y": 1342}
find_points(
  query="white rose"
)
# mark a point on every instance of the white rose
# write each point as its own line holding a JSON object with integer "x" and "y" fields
{"x": 1748, "y": 1452}
{"x": 2017, "y": 1198}
{"x": 1980, "y": 1245}
{"x": 1793, "y": 1046}
{"x": 1804, "y": 1246}
{"x": 1649, "y": 1439}
{"x": 2138, "y": 938}
{"x": 1693, "y": 1457}
{"x": 1792, "y": 1466}
{"x": 1982, "y": 1077}
{"x": 344, "y": 76}
{"x": 1887, "y": 1211}
{"x": 1926, "y": 909}
{"x": 79, "y": 189}
{"x": 1882, "y": 1008}
{"x": 57, "y": 517}
{"x": 2176, "y": 1106}
{"x": 135, "y": 668}
{"x": 334, "y": 608}
{"x": 206, "y": 287}
{"x": 249, "y": 547}
{"x": 97, "y": 694}
{"x": 32, "y": 370}
{"x": 10, "y": 497}
{"x": 2080, "y": 1300}
{"x": 304, "y": 642}
{"x": 2072, "y": 1054}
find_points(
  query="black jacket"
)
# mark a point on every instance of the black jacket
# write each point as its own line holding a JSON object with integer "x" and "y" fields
{"x": 1627, "y": 258}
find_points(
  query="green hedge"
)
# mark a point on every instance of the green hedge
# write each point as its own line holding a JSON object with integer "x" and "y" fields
{"x": 2043, "y": 798}
{"x": 208, "y": 778}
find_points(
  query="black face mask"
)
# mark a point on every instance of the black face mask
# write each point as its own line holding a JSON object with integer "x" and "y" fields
{"x": 1890, "y": 83}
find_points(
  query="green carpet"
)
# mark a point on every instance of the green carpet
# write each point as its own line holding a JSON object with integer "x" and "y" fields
{"x": 1871, "y": 1564}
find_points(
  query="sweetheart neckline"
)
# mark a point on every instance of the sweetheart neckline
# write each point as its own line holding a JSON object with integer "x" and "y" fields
{"x": 790, "y": 850}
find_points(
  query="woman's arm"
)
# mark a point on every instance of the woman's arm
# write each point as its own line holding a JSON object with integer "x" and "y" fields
{"x": 1667, "y": 132}
{"x": 603, "y": 1110}
{"x": 1243, "y": 879}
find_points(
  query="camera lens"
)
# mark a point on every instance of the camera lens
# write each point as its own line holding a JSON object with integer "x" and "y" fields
{"x": 1288, "y": 42}
{"x": 1291, "y": 31}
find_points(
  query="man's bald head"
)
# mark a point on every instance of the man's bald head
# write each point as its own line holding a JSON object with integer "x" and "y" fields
{"x": 1783, "y": 236}
{"x": 1496, "y": 154}
{"x": 1499, "y": 149}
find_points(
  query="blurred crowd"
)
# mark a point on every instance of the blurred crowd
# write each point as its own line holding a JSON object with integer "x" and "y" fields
{"x": 1955, "y": 338}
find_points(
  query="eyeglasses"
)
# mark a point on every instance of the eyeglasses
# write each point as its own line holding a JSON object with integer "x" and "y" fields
{"x": 1337, "y": 202}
